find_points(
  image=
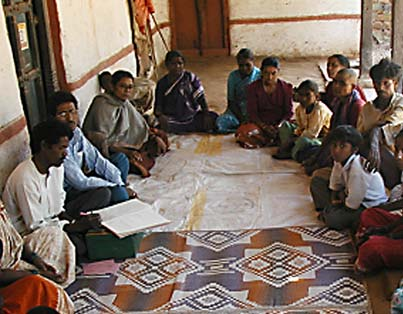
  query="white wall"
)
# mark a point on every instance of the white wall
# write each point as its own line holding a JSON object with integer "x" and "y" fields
{"x": 15, "y": 149}
{"x": 295, "y": 38}
{"x": 92, "y": 31}
{"x": 290, "y": 8}
{"x": 161, "y": 16}
{"x": 160, "y": 50}
{"x": 86, "y": 93}
{"x": 10, "y": 102}
{"x": 12, "y": 152}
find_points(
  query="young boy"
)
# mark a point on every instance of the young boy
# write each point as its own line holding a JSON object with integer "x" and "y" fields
{"x": 352, "y": 188}
{"x": 346, "y": 106}
{"x": 312, "y": 122}
{"x": 347, "y": 103}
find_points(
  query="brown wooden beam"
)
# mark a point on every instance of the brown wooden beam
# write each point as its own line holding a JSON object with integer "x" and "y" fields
{"x": 397, "y": 31}
{"x": 366, "y": 49}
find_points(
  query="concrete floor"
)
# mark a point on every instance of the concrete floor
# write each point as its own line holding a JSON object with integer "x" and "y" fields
{"x": 214, "y": 71}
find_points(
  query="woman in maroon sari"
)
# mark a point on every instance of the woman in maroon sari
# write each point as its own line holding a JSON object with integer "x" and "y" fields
{"x": 269, "y": 104}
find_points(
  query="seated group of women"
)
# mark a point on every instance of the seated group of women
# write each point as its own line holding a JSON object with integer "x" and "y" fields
{"x": 260, "y": 112}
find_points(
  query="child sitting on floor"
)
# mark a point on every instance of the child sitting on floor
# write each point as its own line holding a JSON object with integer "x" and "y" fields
{"x": 312, "y": 122}
{"x": 346, "y": 106}
{"x": 352, "y": 187}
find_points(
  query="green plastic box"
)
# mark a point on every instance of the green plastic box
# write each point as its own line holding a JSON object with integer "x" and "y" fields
{"x": 102, "y": 244}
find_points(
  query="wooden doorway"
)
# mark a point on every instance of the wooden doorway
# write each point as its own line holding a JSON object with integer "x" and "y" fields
{"x": 27, "y": 34}
{"x": 200, "y": 27}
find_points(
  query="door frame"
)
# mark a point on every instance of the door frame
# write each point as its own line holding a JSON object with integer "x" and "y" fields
{"x": 226, "y": 50}
{"x": 44, "y": 67}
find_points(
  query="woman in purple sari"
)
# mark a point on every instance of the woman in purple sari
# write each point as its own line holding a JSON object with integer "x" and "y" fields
{"x": 180, "y": 104}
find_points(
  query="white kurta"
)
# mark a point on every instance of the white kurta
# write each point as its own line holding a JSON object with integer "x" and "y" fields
{"x": 390, "y": 119}
{"x": 34, "y": 199}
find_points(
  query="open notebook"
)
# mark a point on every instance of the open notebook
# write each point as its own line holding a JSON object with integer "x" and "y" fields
{"x": 129, "y": 217}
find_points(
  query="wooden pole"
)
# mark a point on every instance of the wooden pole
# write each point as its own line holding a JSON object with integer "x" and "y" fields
{"x": 397, "y": 31}
{"x": 159, "y": 32}
{"x": 366, "y": 46}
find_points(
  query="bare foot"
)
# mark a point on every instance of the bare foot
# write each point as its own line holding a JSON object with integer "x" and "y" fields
{"x": 132, "y": 193}
{"x": 143, "y": 170}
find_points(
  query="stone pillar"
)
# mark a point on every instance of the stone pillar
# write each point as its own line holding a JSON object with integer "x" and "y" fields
{"x": 366, "y": 41}
{"x": 397, "y": 31}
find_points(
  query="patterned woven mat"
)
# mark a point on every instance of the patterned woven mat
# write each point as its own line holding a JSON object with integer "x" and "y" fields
{"x": 286, "y": 270}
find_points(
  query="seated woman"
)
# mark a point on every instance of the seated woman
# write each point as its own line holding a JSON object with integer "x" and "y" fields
{"x": 269, "y": 104}
{"x": 335, "y": 63}
{"x": 114, "y": 125}
{"x": 237, "y": 82}
{"x": 142, "y": 98}
{"x": 312, "y": 123}
{"x": 180, "y": 104}
{"x": 22, "y": 288}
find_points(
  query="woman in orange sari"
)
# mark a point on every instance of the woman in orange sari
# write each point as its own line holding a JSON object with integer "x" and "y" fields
{"x": 24, "y": 291}
{"x": 21, "y": 285}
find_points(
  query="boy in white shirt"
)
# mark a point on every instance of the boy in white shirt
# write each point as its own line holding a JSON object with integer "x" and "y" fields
{"x": 352, "y": 187}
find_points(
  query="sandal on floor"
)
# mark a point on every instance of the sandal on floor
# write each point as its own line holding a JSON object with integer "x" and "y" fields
{"x": 143, "y": 171}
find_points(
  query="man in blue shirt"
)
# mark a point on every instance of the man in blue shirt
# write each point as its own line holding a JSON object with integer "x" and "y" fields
{"x": 88, "y": 175}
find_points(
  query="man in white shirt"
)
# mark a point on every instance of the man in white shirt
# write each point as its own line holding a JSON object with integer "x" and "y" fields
{"x": 34, "y": 194}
